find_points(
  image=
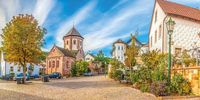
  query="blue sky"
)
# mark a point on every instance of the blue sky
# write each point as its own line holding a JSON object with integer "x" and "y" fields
{"x": 100, "y": 22}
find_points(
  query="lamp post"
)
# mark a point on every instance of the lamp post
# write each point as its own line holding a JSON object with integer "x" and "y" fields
{"x": 170, "y": 28}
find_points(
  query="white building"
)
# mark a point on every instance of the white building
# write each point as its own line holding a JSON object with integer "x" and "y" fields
{"x": 7, "y": 67}
{"x": 89, "y": 57}
{"x": 187, "y": 28}
{"x": 119, "y": 49}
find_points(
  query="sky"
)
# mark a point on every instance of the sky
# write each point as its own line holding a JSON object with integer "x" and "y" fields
{"x": 100, "y": 22}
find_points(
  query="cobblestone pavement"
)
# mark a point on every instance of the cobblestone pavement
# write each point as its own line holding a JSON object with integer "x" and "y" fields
{"x": 81, "y": 88}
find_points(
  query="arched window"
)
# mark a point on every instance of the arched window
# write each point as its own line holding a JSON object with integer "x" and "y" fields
{"x": 67, "y": 64}
{"x": 67, "y": 42}
{"x": 49, "y": 64}
{"x": 53, "y": 65}
{"x": 57, "y": 63}
{"x": 74, "y": 41}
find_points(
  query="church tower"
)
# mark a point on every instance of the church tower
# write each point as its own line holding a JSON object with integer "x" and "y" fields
{"x": 73, "y": 40}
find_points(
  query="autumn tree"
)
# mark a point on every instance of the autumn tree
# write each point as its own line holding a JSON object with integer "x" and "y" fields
{"x": 131, "y": 53}
{"x": 22, "y": 41}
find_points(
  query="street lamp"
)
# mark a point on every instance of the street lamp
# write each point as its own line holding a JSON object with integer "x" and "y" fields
{"x": 170, "y": 28}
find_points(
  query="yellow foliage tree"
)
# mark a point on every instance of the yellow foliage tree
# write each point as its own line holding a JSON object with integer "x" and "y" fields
{"x": 22, "y": 41}
{"x": 131, "y": 53}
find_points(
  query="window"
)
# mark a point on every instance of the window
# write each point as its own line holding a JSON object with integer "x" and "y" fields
{"x": 177, "y": 52}
{"x": 155, "y": 36}
{"x": 67, "y": 64}
{"x": 118, "y": 47}
{"x": 160, "y": 31}
{"x": 74, "y": 41}
{"x": 19, "y": 69}
{"x": 156, "y": 14}
{"x": 49, "y": 64}
{"x": 67, "y": 42}
{"x": 53, "y": 64}
{"x": 122, "y": 48}
{"x": 57, "y": 63}
{"x": 118, "y": 57}
{"x": 11, "y": 69}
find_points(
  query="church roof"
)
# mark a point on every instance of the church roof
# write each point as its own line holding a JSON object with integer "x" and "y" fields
{"x": 73, "y": 32}
{"x": 179, "y": 10}
{"x": 66, "y": 52}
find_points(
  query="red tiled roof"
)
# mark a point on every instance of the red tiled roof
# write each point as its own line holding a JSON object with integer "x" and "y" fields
{"x": 180, "y": 10}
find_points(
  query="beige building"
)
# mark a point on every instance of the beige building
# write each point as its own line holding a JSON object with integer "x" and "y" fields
{"x": 89, "y": 57}
{"x": 61, "y": 59}
{"x": 186, "y": 31}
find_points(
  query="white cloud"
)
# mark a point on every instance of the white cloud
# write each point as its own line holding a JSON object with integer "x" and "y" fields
{"x": 42, "y": 9}
{"x": 10, "y": 8}
{"x": 111, "y": 25}
{"x": 77, "y": 18}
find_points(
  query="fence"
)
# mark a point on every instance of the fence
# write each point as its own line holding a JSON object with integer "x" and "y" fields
{"x": 192, "y": 74}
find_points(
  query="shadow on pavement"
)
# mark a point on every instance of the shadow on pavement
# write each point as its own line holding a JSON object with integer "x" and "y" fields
{"x": 12, "y": 95}
{"x": 83, "y": 84}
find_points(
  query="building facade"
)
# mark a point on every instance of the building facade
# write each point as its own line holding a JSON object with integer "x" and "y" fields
{"x": 119, "y": 48}
{"x": 186, "y": 31}
{"x": 89, "y": 57}
{"x": 8, "y": 67}
{"x": 61, "y": 59}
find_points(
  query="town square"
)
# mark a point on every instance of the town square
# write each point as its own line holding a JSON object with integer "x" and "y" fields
{"x": 99, "y": 49}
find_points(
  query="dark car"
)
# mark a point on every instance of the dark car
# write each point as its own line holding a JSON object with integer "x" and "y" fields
{"x": 88, "y": 74}
{"x": 55, "y": 75}
{"x": 34, "y": 76}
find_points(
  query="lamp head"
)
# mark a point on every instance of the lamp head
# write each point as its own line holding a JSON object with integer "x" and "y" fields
{"x": 170, "y": 25}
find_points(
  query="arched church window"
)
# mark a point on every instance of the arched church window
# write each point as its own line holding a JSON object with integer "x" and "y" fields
{"x": 49, "y": 64}
{"x": 53, "y": 65}
{"x": 67, "y": 42}
{"x": 67, "y": 64}
{"x": 57, "y": 63}
{"x": 74, "y": 41}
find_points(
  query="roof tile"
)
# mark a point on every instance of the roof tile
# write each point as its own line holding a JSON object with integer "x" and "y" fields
{"x": 180, "y": 10}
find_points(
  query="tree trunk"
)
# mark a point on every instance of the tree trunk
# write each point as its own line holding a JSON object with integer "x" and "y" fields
{"x": 24, "y": 72}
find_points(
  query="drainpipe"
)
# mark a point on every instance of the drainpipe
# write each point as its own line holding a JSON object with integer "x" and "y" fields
{"x": 163, "y": 48}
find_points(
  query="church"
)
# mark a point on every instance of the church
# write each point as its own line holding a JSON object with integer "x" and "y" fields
{"x": 61, "y": 59}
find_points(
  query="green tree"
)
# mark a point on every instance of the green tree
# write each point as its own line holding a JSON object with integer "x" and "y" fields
{"x": 79, "y": 68}
{"x": 102, "y": 60}
{"x": 22, "y": 41}
{"x": 115, "y": 65}
{"x": 187, "y": 60}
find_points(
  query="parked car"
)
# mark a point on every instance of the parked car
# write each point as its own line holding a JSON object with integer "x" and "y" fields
{"x": 88, "y": 74}
{"x": 20, "y": 75}
{"x": 55, "y": 75}
{"x": 34, "y": 76}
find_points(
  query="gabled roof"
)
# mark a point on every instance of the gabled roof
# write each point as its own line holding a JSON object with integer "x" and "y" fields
{"x": 180, "y": 10}
{"x": 65, "y": 51}
{"x": 90, "y": 54}
{"x": 119, "y": 41}
{"x": 73, "y": 32}
{"x": 136, "y": 40}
